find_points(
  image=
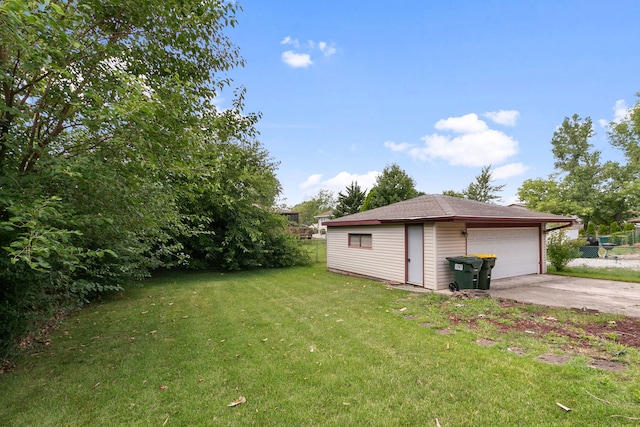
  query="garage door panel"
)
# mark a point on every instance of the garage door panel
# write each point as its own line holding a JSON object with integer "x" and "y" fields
{"x": 516, "y": 249}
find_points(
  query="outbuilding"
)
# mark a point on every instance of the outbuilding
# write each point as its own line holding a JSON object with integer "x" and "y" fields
{"x": 409, "y": 241}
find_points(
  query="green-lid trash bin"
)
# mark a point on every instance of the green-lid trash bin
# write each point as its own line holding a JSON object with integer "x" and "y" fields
{"x": 484, "y": 276}
{"x": 466, "y": 270}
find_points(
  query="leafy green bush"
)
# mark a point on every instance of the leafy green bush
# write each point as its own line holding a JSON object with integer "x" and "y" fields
{"x": 603, "y": 230}
{"x": 561, "y": 250}
{"x": 623, "y": 238}
{"x": 614, "y": 227}
{"x": 591, "y": 229}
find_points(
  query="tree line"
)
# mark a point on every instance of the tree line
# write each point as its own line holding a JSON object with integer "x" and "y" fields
{"x": 114, "y": 159}
{"x": 603, "y": 194}
{"x": 393, "y": 185}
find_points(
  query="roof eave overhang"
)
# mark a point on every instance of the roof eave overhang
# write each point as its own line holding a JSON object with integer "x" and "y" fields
{"x": 465, "y": 219}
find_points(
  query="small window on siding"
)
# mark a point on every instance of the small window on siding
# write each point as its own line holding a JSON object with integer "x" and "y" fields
{"x": 360, "y": 240}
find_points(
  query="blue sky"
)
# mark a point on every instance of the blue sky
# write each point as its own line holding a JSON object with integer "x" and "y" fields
{"x": 441, "y": 88}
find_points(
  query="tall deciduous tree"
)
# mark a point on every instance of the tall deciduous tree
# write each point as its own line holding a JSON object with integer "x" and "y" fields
{"x": 323, "y": 201}
{"x": 350, "y": 201}
{"x": 111, "y": 146}
{"x": 543, "y": 195}
{"x": 582, "y": 185}
{"x": 577, "y": 164}
{"x": 625, "y": 136}
{"x": 393, "y": 185}
{"x": 227, "y": 212}
{"x": 88, "y": 74}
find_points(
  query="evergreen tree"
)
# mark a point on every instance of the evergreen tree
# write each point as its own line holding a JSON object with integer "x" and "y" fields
{"x": 482, "y": 190}
{"x": 351, "y": 202}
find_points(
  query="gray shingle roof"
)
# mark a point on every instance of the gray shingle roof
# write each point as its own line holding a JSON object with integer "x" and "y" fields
{"x": 326, "y": 214}
{"x": 437, "y": 207}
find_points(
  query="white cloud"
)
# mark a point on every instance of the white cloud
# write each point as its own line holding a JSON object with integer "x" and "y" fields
{"x": 470, "y": 149}
{"x": 620, "y": 112}
{"x": 469, "y": 123}
{"x": 340, "y": 181}
{"x": 289, "y": 40}
{"x": 301, "y": 55}
{"x": 313, "y": 180}
{"x": 466, "y": 141}
{"x": 326, "y": 49}
{"x": 343, "y": 179}
{"x": 404, "y": 146}
{"x": 296, "y": 60}
{"x": 509, "y": 171}
{"x": 503, "y": 117}
{"x": 218, "y": 102}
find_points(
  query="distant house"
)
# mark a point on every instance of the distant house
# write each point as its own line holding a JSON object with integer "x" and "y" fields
{"x": 293, "y": 217}
{"x": 408, "y": 242}
{"x": 322, "y": 218}
{"x": 573, "y": 232}
{"x": 302, "y": 232}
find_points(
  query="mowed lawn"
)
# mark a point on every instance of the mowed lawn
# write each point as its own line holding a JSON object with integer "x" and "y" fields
{"x": 303, "y": 347}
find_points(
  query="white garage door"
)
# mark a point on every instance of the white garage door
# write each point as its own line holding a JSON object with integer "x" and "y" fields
{"x": 517, "y": 249}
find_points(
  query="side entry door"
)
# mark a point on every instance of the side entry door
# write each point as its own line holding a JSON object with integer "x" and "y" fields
{"x": 415, "y": 255}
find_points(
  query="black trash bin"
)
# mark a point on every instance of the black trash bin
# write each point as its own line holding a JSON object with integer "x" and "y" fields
{"x": 466, "y": 270}
{"x": 484, "y": 277}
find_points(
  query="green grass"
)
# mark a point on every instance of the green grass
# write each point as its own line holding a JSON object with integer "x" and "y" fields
{"x": 619, "y": 274}
{"x": 304, "y": 347}
{"x": 317, "y": 249}
{"x": 624, "y": 250}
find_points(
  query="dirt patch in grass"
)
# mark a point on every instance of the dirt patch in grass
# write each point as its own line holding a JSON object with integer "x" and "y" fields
{"x": 583, "y": 331}
{"x": 608, "y": 365}
{"x": 554, "y": 359}
{"x": 624, "y": 330}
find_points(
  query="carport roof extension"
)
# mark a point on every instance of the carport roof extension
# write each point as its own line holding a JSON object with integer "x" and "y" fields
{"x": 438, "y": 207}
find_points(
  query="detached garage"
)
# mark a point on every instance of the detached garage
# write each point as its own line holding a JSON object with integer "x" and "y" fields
{"x": 408, "y": 242}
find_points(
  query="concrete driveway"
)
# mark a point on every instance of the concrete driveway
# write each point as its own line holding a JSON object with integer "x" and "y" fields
{"x": 606, "y": 296}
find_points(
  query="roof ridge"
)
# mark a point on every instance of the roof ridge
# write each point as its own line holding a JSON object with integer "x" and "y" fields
{"x": 443, "y": 203}
{"x": 441, "y": 207}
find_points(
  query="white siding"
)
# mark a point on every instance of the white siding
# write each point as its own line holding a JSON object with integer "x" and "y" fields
{"x": 430, "y": 267}
{"x": 449, "y": 241}
{"x": 385, "y": 260}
